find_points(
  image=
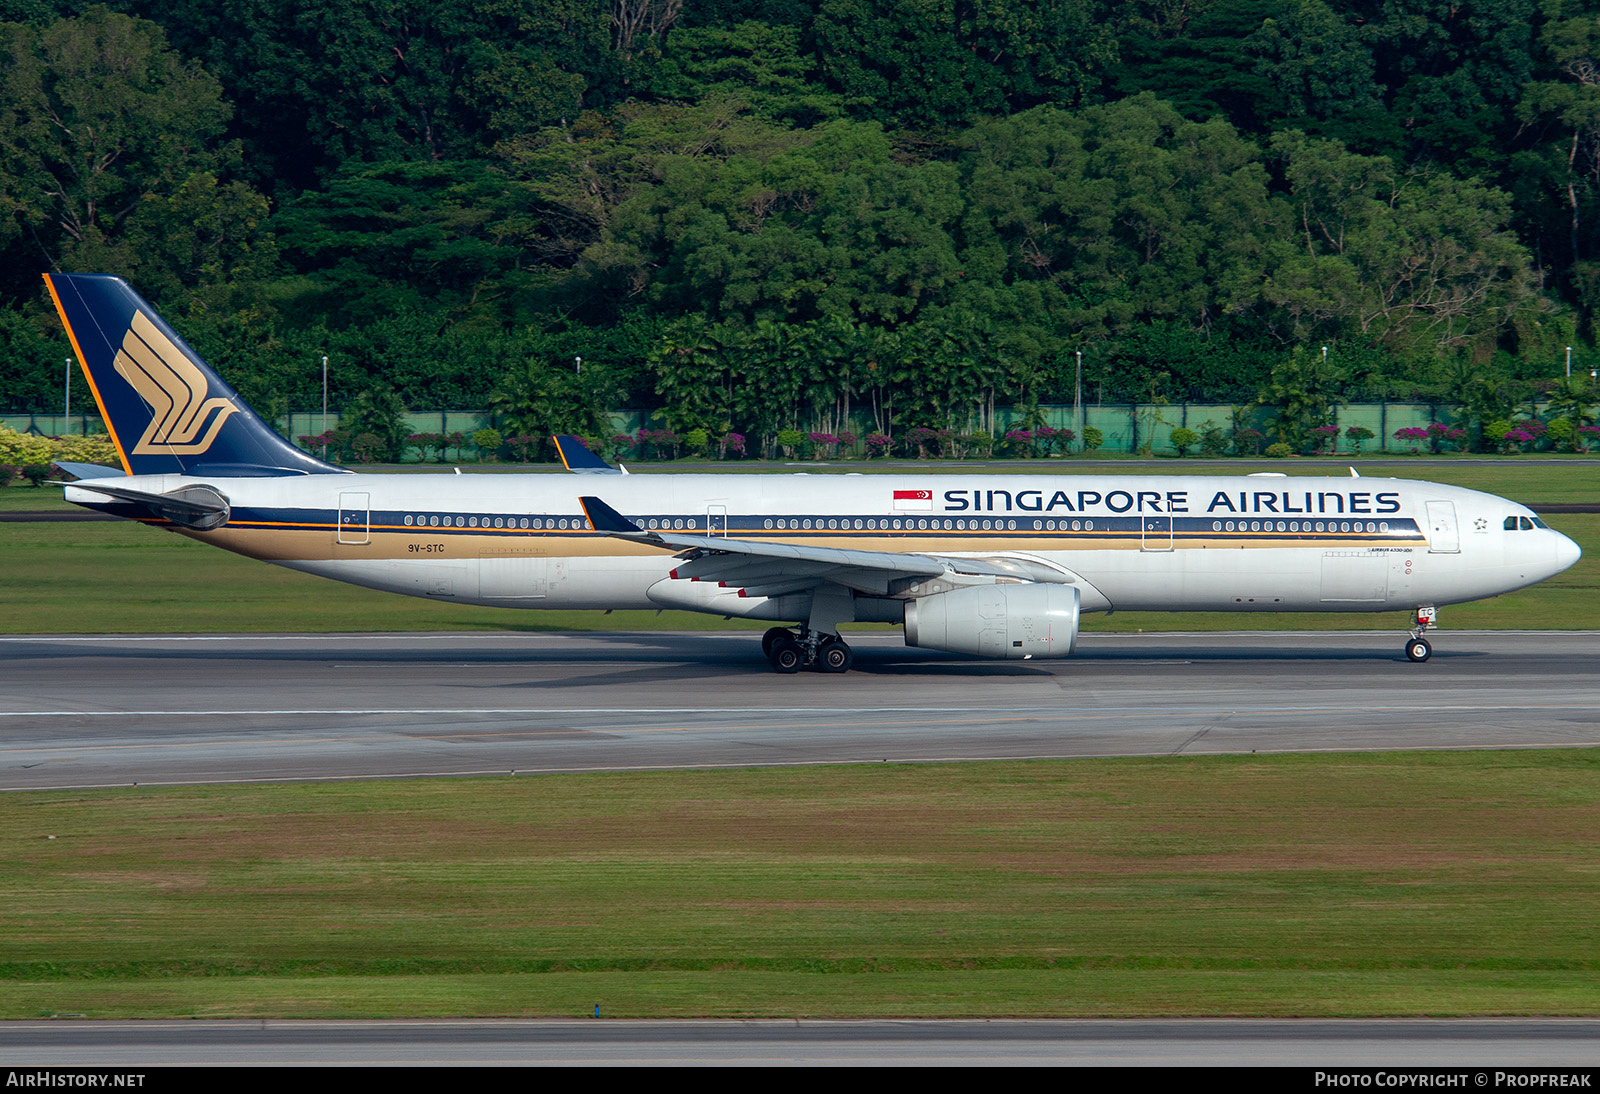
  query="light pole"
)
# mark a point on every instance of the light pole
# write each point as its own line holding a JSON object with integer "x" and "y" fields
{"x": 577, "y": 366}
{"x": 1077, "y": 400}
{"x": 68, "y": 427}
{"x": 1569, "y": 362}
{"x": 324, "y": 406}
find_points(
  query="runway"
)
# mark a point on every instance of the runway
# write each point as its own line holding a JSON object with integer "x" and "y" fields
{"x": 1468, "y": 1048}
{"x": 105, "y": 711}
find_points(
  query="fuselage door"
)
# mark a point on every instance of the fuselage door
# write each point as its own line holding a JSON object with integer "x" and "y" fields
{"x": 716, "y": 520}
{"x": 1156, "y": 533}
{"x": 1443, "y": 536}
{"x": 354, "y": 517}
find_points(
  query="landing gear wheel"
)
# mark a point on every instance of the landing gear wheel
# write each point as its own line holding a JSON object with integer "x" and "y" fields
{"x": 770, "y": 639}
{"x": 834, "y": 656}
{"x": 786, "y": 655}
{"x": 1418, "y": 649}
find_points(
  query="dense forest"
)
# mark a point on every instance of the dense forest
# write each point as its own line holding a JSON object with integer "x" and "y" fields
{"x": 776, "y": 214}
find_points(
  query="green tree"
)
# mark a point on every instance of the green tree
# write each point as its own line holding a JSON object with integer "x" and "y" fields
{"x": 378, "y": 412}
{"x": 1419, "y": 259}
{"x": 1299, "y": 396}
{"x": 110, "y": 157}
{"x": 939, "y": 63}
{"x": 322, "y": 82}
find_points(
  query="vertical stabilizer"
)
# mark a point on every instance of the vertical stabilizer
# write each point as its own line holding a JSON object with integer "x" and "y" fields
{"x": 167, "y": 412}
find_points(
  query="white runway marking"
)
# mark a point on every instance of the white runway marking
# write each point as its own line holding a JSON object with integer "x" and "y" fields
{"x": 1085, "y": 712}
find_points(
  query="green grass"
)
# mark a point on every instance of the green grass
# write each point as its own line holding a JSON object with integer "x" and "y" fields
{"x": 1440, "y": 883}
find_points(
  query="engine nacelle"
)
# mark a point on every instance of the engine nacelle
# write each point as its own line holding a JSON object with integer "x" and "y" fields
{"x": 998, "y": 621}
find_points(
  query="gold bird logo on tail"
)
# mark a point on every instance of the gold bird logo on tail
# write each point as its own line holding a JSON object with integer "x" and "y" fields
{"x": 175, "y": 390}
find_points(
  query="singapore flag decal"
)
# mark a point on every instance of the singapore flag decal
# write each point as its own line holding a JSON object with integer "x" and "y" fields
{"x": 913, "y": 501}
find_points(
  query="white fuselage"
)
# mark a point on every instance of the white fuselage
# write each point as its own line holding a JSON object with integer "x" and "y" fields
{"x": 1168, "y": 543}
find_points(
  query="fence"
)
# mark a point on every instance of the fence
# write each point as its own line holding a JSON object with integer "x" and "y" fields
{"x": 1127, "y": 427}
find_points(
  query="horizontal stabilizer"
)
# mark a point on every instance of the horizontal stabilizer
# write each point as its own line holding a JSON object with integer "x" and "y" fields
{"x": 198, "y": 507}
{"x": 576, "y": 457}
{"x": 91, "y": 470}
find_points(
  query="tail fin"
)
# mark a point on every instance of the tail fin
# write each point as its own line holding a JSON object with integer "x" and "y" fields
{"x": 167, "y": 412}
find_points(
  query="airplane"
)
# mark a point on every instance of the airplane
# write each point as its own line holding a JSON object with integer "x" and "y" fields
{"x": 996, "y": 566}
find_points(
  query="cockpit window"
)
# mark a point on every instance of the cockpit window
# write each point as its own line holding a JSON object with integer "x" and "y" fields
{"x": 1511, "y": 524}
{"x": 1537, "y": 523}
{"x": 1527, "y": 524}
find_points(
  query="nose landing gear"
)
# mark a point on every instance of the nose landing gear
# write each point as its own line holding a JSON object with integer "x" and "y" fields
{"x": 1417, "y": 647}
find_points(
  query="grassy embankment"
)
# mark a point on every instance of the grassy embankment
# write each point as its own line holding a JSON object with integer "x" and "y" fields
{"x": 1390, "y": 884}
{"x": 103, "y": 577}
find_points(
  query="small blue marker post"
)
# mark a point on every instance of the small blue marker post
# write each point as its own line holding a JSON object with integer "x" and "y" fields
{"x": 597, "y": 1010}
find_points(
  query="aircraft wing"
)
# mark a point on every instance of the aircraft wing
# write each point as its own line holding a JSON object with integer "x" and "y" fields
{"x": 763, "y": 568}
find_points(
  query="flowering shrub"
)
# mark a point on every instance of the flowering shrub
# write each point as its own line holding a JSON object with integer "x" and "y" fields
{"x": 1413, "y": 435}
{"x": 524, "y": 445}
{"x": 822, "y": 445}
{"x": 1048, "y": 440}
{"x": 1247, "y": 438}
{"x": 1356, "y": 435}
{"x": 935, "y": 442}
{"x": 1018, "y": 442}
{"x": 730, "y": 442}
{"x": 1324, "y": 437}
{"x": 1440, "y": 435}
{"x": 1514, "y": 438}
{"x": 662, "y": 444}
{"x": 878, "y": 444}
{"x": 1584, "y": 436}
{"x": 422, "y": 442}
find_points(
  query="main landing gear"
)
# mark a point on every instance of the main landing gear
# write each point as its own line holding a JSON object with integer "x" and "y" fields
{"x": 790, "y": 652}
{"x": 1417, "y": 648}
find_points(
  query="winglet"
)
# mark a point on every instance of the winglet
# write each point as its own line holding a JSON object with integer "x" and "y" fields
{"x": 603, "y": 518}
{"x": 576, "y": 457}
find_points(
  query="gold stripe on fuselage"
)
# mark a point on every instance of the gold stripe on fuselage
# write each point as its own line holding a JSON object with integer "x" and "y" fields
{"x": 279, "y": 542}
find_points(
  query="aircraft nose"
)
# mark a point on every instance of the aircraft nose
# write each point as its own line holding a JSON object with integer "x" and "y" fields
{"x": 1567, "y": 553}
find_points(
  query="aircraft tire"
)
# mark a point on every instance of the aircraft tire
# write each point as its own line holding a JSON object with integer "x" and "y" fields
{"x": 835, "y": 656}
{"x": 786, "y": 655}
{"x": 770, "y": 639}
{"x": 1418, "y": 650}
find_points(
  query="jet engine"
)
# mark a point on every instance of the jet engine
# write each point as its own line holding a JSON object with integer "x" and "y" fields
{"x": 997, "y": 621}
